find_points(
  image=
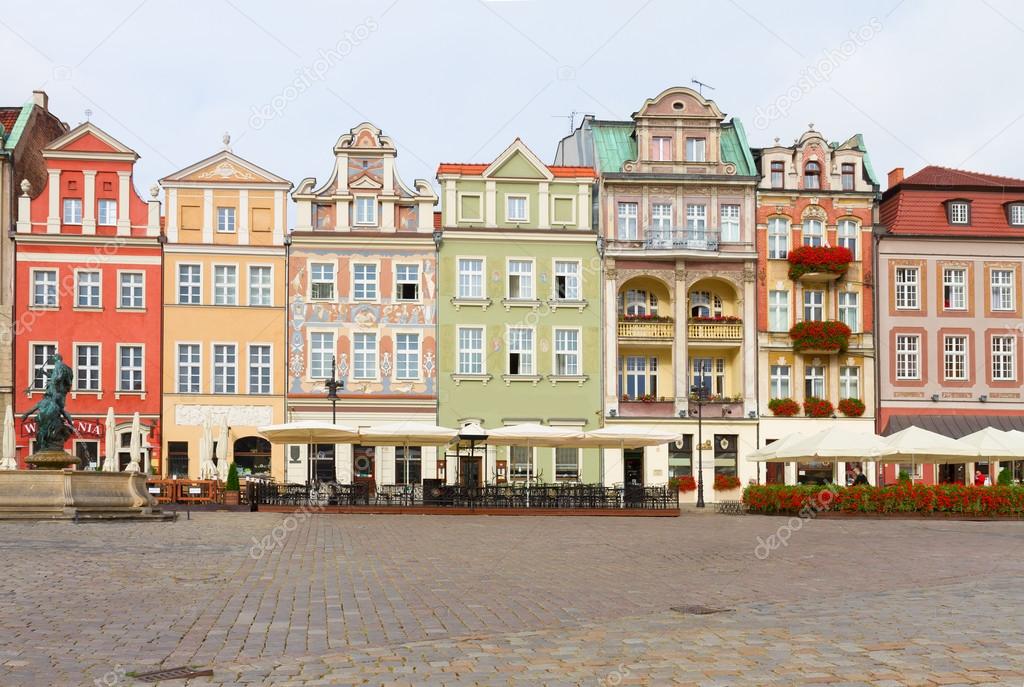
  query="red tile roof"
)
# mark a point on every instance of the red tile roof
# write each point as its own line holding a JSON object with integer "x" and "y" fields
{"x": 437, "y": 220}
{"x": 475, "y": 169}
{"x": 933, "y": 175}
{"x": 8, "y": 116}
{"x": 460, "y": 168}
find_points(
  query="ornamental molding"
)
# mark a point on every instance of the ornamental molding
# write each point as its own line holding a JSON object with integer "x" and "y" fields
{"x": 815, "y": 211}
{"x": 235, "y": 416}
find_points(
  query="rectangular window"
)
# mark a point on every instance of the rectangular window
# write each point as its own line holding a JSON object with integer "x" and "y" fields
{"x": 520, "y": 351}
{"x": 628, "y": 222}
{"x": 696, "y": 218}
{"x": 44, "y": 288}
{"x": 225, "y": 368}
{"x": 87, "y": 289}
{"x": 259, "y": 368}
{"x": 726, "y": 454}
{"x": 321, "y": 281}
{"x": 132, "y": 291}
{"x": 72, "y": 211}
{"x": 42, "y": 363}
{"x": 407, "y": 356}
{"x": 814, "y": 233}
{"x": 364, "y": 355}
{"x": 778, "y": 174}
{"x": 567, "y": 280}
{"x": 955, "y": 357}
{"x": 567, "y": 463}
{"x": 696, "y": 150}
{"x": 407, "y": 282}
{"x": 778, "y": 238}
{"x": 260, "y": 285}
{"x": 848, "y": 176}
{"x": 408, "y": 464}
{"x": 959, "y": 213}
{"x": 515, "y": 208}
{"x": 225, "y": 220}
{"x": 907, "y": 288}
{"x": 225, "y": 285}
{"x": 471, "y": 350}
{"x": 87, "y": 367}
{"x": 190, "y": 284}
{"x": 846, "y": 234}
{"x": 189, "y": 370}
{"x": 1004, "y": 358}
{"x": 520, "y": 279}
{"x": 1017, "y": 214}
{"x": 849, "y": 382}
{"x": 814, "y": 381}
{"x": 521, "y": 465}
{"x": 778, "y": 311}
{"x": 661, "y": 148}
{"x": 321, "y": 354}
{"x": 471, "y": 278}
{"x": 814, "y": 306}
{"x": 366, "y": 210}
{"x": 107, "y": 212}
{"x": 130, "y": 370}
{"x": 567, "y": 352}
{"x": 730, "y": 223}
{"x": 908, "y": 353}
{"x": 364, "y": 284}
{"x": 1002, "y": 290}
{"x": 954, "y": 288}
{"x": 849, "y": 310}
{"x": 779, "y": 381}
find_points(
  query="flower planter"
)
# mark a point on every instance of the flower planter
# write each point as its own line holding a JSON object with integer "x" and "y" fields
{"x": 823, "y": 337}
{"x": 231, "y": 498}
{"x": 819, "y": 277}
{"x": 818, "y": 263}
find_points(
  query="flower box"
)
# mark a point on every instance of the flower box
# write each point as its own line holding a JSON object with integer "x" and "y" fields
{"x": 820, "y": 337}
{"x": 684, "y": 484}
{"x": 783, "y": 407}
{"x": 817, "y": 407}
{"x": 851, "y": 407}
{"x": 726, "y": 482}
{"x": 829, "y": 262}
{"x": 895, "y": 499}
{"x": 716, "y": 319}
{"x": 645, "y": 318}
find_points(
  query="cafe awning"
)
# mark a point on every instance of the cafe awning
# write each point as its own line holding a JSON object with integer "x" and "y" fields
{"x": 953, "y": 425}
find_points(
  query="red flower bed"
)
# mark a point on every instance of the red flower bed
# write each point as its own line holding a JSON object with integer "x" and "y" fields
{"x": 684, "y": 484}
{"x": 807, "y": 259}
{"x": 646, "y": 317}
{"x": 851, "y": 407}
{"x": 783, "y": 407}
{"x": 729, "y": 319}
{"x": 818, "y": 407}
{"x": 897, "y": 498}
{"x": 726, "y": 482}
{"x": 820, "y": 336}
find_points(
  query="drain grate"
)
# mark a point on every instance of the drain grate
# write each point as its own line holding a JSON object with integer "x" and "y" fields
{"x": 699, "y": 610}
{"x": 183, "y": 673}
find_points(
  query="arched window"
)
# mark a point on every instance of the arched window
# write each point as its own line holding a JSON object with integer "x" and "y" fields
{"x": 252, "y": 455}
{"x": 705, "y": 304}
{"x": 814, "y": 232}
{"x": 812, "y": 175}
{"x": 638, "y": 302}
{"x": 847, "y": 235}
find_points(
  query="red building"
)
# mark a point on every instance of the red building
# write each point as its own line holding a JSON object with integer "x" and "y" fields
{"x": 88, "y": 286}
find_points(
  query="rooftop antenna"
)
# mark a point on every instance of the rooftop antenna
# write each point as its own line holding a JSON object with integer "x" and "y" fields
{"x": 88, "y": 114}
{"x": 572, "y": 118}
{"x": 701, "y": 86}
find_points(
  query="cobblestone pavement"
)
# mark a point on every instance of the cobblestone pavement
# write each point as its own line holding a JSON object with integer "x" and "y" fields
{"x": 411, "y": 600}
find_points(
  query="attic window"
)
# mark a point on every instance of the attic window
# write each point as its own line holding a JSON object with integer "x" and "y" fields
{"x": 812, "y": 175}
{"x": 848, "y": 171}
{"x": 958, "y": 211}
{"x": 678, "y": 105}
{"x": 1015, "y": 214}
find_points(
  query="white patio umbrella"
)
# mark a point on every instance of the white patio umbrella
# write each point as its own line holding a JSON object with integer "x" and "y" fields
{"x": 533, "y": 435}
{"x": 406, "y": 434}
{"x": 8, "y": 462}
{"x": 768, "y": 453}
{"x": 995, "y": 443}
{"x": 917, "y": 445}
{"x": 110, "y": 462}
{"x": 135, "y": 446}
{"x": 207, "y": 470}
{"x": 309, "y": 432}
{"x": 222, "y": 451}
{"x": 627, "y": 436}
{"x": 833, "y": 444}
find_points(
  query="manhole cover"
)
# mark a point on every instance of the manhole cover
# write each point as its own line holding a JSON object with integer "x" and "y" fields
{"x": 699, "y": 610}
{"x": 183, "y": 673}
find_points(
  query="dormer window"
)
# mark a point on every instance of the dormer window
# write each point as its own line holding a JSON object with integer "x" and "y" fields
{"x": 812, "y": 175}
{"x": 848, "y": 171}
{"x": 958, "y": 211}
{"x": 778, "y": 174}
{"x": 662, "y": 148}
{"x": 366, "y": 210}
{"x": 1015, "y": 214}
{"x": 696, "y": 150}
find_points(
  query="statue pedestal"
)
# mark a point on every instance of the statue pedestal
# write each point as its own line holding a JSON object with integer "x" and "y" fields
{"x": 75, "y": 494}
{"x": 53, "y": 460}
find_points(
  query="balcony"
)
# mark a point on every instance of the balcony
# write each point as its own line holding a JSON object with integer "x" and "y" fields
{"x": 641, "y": 329}
{"x": 657, "y": 406}
{"x": 664, "y": 238}
{"x": 715, "y": 408}
{"x": 705, "y": 330}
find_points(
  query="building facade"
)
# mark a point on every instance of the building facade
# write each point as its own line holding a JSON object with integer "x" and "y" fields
{"x": 88, "y": 267}
{"x": 24, "y": 131}
{"x": 950, "y": 255}
{"x": 362, "y": 294}
{"x": 224, "y": 304}
{"x": 676, "y": 210}
{"x": 519, "y": 317}
{"x": 816, "y": 211}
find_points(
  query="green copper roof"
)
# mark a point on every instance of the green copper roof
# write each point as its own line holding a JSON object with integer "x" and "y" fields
{"x": 19, "y": 126}
{"x": 735, "y": 149}
{"x": 867, "y": 160}
{"x": 613, "y": 144}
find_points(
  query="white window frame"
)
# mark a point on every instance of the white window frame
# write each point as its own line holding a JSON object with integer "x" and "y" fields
{"x": 141, "y": 369}
{"x": 71, "y": 204}
{"x": 326, "y": 363}
{"x": 459, "y": 274}
{"x": 780, "y": 382}
{"x": 531, "y": 353}
{"x": 214, "y": 365}
{"x": 190, "y": 285}
{"x": 561, "y": 222}
{"x": 627, "y": 226}
{"x": 661, "y": 216}
{"x": 564, "y": 474}
{"x": 333, "y": 281}
{"x": 106, "y": 219}
{"x": 954, "y": 356}
{"x": 812, "y": 379}
{"x": 34, "y": 273}
{"x": 460, "y": 368}
{"x": 1001, "y": 290}
{"x": 849, "y": 382}
{"x": 1004, "y": 358}
{"x": 955, "y": 287}
{"x": 778, "y": 312}
{"x": 574, "y": 277}
{"x": 661, "y": 148}
{"x": 527, "y": 278}
{"x": 359, "y": 203}
{"x": 699, "y": 152}
{"x": 227, "y": 216}
{"x": 98, "y": 367}
{"x": 366, "y": 284}
{"x": 267, "y": 289}
{"x": 844, "y": 309}
{"x": 908, "y": 356}
{"x": 233, "y": 284}
{"x": 1016, "y": 214}
{"x": 121, "y": 274}
{"x": 417, "y": 353}
{"x": 813, "y": 238}
{"x": 810, "y": 306}
{"x": 405, "y": 280}
{"x": 359, "y": 356}
{"x": 778, "y": 239}
{"x": 696, "y": 217}
{"x": 575, "y": 354}
{"x": 508, "y": 207}
{"x": 32, "y": 346}
{"x": 911, "y": 288}
{"x": 959, "y": 212}
{"x": 99, "y": 289}
{"x": 256, "y": 389}
{"x": 458, "y": 207}
{"x": 847, "y": 232}
{"x": 729, "y": 224}
{"x": 196, "y": 365}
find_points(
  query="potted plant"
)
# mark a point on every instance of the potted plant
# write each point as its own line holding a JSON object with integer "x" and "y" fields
{"x": 684, "y": 484}
{"x": 851, "y": 407}
{"x": 726, "y": 482}
{"x": 827, "y": 336}
{"x": 783, "y": 407}
{"x": 231, "y": 496}
{"x": 831, "y": 260}
{"x": 818, "y": 407}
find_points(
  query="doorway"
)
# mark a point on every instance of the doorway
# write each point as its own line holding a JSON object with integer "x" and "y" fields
{"x": 633, "y": 467}
{"x": 470, "y": 471}
{"x": 364, "y": 466}
{"x": 322, "y": 460}
{"x": 252, "y": 456}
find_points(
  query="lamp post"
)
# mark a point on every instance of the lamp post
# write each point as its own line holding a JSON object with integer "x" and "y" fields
{"x": 699, "y": 393}
{"x": 333, "y": 384}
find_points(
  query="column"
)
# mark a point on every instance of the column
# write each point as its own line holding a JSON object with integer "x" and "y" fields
{"x": 450, "y": 213}
{"x": 124, "y": 215}
{"x": 611, "y": 338}
{"x": 543, "y": 205}
{"x": 341, "y": 174}
{"x": 208, "y": 216}
{"x": 387, "y": 215}
{"x": 341, "y": 217}
{"x": 53, "y": 217}
{"x": 389, "y": 175}
{"x": 749, "y": 304}
{"x": 172, "y": 215}
{"x": 491, "y": 204}
{"x": 280, "y": 218}
{"x": 680, "y": 363}
{"x": 89, "y": 203}
{"x": 583, "y": 210}
{"x": 243, "y": 217}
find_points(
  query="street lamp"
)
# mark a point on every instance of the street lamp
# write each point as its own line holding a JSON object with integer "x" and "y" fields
{"x": 699, "y": 393}
{"x": 333, "y": 385}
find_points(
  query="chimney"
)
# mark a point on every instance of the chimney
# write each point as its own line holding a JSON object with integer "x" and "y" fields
{"x": 41, "y": 99}
{"x": 895, "y": 176}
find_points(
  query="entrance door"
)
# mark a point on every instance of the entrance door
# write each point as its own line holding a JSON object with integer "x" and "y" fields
{"x": 322, "y": 466}
{"x": 633, "y": 467}
{"x": 363, "y": 467}
{"x": 469, "y": 471}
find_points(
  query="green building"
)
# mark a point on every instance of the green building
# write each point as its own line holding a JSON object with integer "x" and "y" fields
{"x": 519, "y": 322}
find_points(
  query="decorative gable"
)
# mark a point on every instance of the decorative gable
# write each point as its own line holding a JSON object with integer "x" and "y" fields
{"x": 518, "y": 162}
{"x": 225, "y": 167}
{"x": 89, "y": 138}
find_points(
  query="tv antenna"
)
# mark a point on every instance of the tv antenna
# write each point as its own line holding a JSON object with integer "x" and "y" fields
{"x": 701, "y": 86}
{"x": 572, "y": 118}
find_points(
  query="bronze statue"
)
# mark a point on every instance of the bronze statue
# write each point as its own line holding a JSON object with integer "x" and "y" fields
{"x": 54, "y": 423}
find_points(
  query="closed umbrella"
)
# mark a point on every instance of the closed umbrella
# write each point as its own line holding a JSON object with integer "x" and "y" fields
{"x": 406, "y": 434}
{"x": 110, "y": 462}
{"x": 8, "y": 462}
{"x": 532, "y": 435}
{"x": 135, "y": 446}
{"x": 222, "y": 451}
{"x": 207, "y": 470}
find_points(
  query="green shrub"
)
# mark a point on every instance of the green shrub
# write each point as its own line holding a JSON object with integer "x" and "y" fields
{"x": 1005, "y": 478}
{"x": 904, "y": 476}
{"x": 232, "y": 483}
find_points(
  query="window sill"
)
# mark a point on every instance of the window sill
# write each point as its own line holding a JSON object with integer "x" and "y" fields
{"x": 44, "y": 308}
{"x": 460, "y": 378}
{"x": 532, "y": 379}
{"x": 556, "y": 303}
{"x": 88, "y": 308}
{"x": 579, "y": 380}
{"x": 98, "y": 393}
{"x": 123, "y": 309}
{"x": 510, "y": 303}
{"x": 321, "y": 300}
{"x": 119, "y": 394}
{"x": 460, "y": 303}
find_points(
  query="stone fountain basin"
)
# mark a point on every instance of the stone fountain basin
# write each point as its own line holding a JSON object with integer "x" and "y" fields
{"x": 69, "y": 494}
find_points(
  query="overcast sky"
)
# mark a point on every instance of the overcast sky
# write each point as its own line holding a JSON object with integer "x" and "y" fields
{"x": 925, "y": 81}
